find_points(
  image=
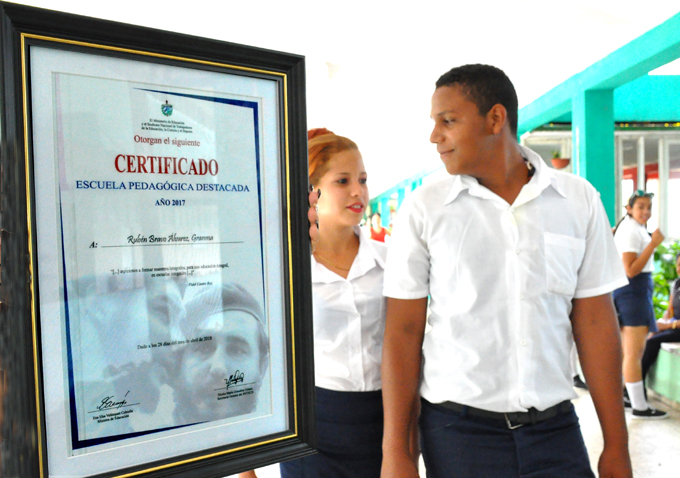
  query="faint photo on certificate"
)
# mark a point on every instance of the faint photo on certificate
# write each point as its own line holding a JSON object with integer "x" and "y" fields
{"x": 205, "y": 358}
{"x": 221, "y": 375}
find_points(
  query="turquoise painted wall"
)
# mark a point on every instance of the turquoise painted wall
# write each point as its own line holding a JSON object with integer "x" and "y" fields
{"x": 657, "y": 47}
{"x": 649, "y": 98}
{"x": 663, "y": 377}
{"x": 606, "y": 90}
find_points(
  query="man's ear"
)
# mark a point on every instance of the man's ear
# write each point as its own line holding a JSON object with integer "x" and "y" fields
{"x": 497, "y": 117}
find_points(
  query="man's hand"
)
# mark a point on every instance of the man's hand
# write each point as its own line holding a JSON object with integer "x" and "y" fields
{"x": 400, "y": 466}
{"x": 596, "y": 333}
{"x": 614, "y": 463}
{"x": 404, "y": 330}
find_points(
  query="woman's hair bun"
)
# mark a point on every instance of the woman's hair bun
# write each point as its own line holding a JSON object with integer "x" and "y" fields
{"x": 313, "y": 133}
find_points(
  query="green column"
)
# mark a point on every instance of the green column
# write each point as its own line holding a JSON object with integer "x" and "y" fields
{"x": 401, "y": 194}
{"x": 593, "y": 143}
{"x": 375, "y": 204}
{"x": 385, "y": 211}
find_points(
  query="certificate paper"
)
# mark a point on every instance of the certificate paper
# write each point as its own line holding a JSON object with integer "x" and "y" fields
{"x": 161, "y": 211}
{"x": 167, "y": 319}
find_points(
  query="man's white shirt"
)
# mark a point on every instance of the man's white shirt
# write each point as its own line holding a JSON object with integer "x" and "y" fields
{"x": 501, "y": 279}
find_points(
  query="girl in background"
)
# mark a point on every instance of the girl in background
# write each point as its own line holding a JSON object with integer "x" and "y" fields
{"x": 378, "y": 232}
{"x": 634, "y": 301}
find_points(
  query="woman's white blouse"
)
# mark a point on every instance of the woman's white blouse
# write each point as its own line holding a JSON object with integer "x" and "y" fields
{"x": 631, "y": 236}
{"x": 349, "y": 321}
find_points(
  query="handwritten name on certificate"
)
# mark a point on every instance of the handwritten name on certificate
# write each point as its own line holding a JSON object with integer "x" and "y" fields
{"x": 161, "y": 221}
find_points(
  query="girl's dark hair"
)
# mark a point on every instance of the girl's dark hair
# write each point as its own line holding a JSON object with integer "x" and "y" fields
{"x": 631, "y": 202}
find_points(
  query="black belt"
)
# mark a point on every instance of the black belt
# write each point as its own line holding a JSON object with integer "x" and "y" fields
{"x": 512, "y": 419}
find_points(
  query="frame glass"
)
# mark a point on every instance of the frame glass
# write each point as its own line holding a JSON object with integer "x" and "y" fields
{"x": 168, "y": 281}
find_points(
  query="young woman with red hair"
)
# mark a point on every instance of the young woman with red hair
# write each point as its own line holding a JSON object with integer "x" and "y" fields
{"x": 349, "y": 318}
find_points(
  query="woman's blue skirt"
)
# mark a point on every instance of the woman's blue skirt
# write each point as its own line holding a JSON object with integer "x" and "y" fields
{"x": 349, "y": 427}
{"x": 634, "y": 302}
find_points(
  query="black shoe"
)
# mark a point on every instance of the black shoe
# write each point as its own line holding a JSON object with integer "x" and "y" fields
{"x": 626, "y": 403}
{"x": 578, "y": 383}
{"x": 649, "y": 414}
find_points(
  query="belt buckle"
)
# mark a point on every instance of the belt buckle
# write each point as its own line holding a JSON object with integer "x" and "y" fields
{"x": 509, "y": 423}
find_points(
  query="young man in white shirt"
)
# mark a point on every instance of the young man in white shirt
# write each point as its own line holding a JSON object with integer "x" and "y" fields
{"x": 518, "y": 261}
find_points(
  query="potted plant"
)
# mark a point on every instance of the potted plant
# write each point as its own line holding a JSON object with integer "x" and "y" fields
{"x": 559, "y": 162}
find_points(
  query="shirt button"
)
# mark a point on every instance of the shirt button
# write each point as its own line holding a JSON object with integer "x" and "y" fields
{"x": 521, "y": 296}
{"x": 516, "y": 251}
{"x": 512, "y": 209}
{"x": 523, "y": 342}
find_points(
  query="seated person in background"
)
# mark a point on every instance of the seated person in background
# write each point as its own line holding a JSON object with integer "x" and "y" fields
{"x": 378, "y": 232}
{"x": 669, "y": 326}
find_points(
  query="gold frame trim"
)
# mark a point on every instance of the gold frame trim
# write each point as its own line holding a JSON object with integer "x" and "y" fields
{"x": 38, "y": 388}
{"x": 148, "y": 53}
{"x": 31, "y": 255}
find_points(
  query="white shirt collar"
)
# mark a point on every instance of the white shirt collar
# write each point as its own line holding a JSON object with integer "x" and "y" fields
{"x": 542, "y": 178}
{"x": 366, "y": 259}
{"x": 628, "y": 218}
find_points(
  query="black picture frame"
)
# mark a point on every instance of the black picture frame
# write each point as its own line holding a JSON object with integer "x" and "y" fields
{"x": 24, "y": 450}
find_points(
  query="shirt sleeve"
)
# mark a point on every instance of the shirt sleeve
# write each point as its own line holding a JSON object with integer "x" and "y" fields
{"x": 407, "y": 269}
{"x": 601, "y": 270}
{"x": 627, "y": 239}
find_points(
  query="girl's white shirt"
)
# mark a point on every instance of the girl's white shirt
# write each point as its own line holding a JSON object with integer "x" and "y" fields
{"x": 631, "y": 236}
{"x": 349, "y": 321}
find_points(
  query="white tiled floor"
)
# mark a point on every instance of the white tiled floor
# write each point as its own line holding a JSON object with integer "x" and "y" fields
{"x": 654, "y": 444}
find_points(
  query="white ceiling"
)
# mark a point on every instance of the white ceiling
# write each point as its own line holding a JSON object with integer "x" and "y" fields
{"x": 372, "y": 64}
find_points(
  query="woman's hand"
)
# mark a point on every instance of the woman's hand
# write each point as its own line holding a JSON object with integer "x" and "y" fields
{"x": 657, "y": 237}
{"x": 634, "y": 263}
{"x": 247, "y": 474}
{"x": 313, "y": 219}
{"x": 667, "y": 324}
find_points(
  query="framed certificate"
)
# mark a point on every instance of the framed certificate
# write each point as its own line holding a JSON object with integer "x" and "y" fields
{"x": 155, "y": 243}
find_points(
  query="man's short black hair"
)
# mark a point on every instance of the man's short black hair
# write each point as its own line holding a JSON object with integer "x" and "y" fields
{"x": 485, "y": 86}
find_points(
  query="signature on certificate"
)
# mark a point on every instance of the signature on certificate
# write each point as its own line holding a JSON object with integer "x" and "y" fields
{"x": 234, "y": 379}
{"x": 110, "y": 403}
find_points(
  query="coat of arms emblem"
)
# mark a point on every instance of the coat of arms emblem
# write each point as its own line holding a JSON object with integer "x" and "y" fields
{"x": 166, "y": 109}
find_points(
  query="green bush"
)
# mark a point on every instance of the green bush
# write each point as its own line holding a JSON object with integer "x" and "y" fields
{"x": 664, "y": 275}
